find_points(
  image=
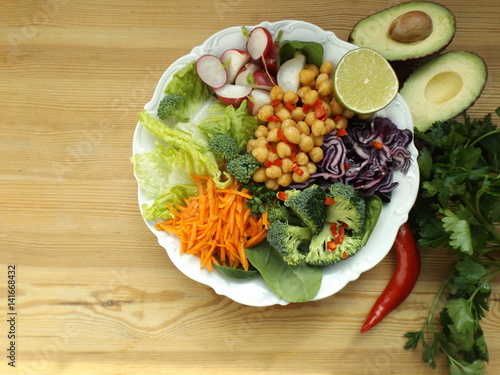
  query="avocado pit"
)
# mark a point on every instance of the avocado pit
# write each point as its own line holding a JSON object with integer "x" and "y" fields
{"x": 411, "y": 27}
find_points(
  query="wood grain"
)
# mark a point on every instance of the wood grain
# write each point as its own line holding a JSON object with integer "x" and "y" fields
{"x": 96, "y": 294}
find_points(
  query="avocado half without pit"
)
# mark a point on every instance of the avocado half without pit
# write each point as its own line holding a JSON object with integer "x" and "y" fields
{"x": 444, "y": 87}
{"x": 408, "y": 32}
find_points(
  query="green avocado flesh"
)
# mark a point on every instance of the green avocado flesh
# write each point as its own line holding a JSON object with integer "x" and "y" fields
{"x": 444, "y": 87}
{"x": 373, "y": 32}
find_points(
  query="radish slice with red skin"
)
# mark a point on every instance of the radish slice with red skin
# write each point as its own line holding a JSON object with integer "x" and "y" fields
{"x": 211, "y": 71}
{"x": 257, "y": 99}
{"x": 259, "y": 42}
{"x": 230, "y": 94}
{"x": 241, "y": 77}
{"x": 263, "y": 80}
{"x": 235, "y": 60}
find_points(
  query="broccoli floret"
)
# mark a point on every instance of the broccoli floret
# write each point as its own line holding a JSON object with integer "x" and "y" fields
{"x": 324, "y": 251}
{"x": 223, "y": 146}
{"x": 278, "y": 212}
{"x": 169, "y": 106}
{"x": 242, "y": 167}
{"x": 349, "y": 207}
{"x": 308, "y": 204}
{"x": 287, "y": 239}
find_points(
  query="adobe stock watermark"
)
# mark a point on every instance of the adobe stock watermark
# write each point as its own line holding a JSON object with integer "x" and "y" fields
{"x": 47, "y": 10}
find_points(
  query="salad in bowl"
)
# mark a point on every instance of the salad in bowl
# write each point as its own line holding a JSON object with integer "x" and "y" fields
{"x": 257, "y": 174}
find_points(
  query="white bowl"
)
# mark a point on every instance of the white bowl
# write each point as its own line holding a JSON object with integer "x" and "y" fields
{"x": 255, "y": 292}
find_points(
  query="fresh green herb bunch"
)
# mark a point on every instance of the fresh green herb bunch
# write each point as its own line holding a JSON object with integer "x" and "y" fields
{"x": 458, "y": 209}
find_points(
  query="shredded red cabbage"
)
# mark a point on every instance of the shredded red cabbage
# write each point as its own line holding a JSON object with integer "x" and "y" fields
{"x": 365, "y": 158}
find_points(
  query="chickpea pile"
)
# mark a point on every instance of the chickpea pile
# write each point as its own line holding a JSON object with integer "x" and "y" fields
{"x": 289, "y": 144}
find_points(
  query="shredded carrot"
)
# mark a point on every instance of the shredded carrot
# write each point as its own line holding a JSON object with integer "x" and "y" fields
{"x": 216, "y": 225}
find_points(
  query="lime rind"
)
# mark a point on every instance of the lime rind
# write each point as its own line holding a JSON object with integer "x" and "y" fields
{"x": 364, "y": 81}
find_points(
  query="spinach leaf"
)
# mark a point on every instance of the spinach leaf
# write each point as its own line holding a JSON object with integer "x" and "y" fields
{"x": 292, "y": 283}
{"x": 237, "y": 273}
{"x": 313, "y": 51}
{"x": 373, "y": 210}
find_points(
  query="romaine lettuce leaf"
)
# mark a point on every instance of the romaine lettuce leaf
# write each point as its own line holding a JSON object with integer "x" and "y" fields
{"x": 196, "y": 93}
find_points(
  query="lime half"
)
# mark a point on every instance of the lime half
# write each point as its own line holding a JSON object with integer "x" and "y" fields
{"x": 364, "y": 81}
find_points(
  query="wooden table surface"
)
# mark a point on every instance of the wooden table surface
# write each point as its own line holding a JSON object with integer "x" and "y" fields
{"x": 95, "y": 293}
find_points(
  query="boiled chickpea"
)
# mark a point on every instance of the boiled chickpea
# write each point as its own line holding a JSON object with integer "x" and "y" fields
{"x": 250, "y": 145}
{"x": 301, "y": 178}
{"x": 328, "y": 109}
{"x": 272, "y": 184}
{"x": 366, "y": 116}
{"x": 318, "y": 128}
{"x": 272, "y": 156}
{"x": 306, "y": 76}
{"x": 286, "y": 165}
{"x": 298, "y": 114}
{"x": 347, "y": 113}
{"x": 261, "y": 142}
{"x": 287, "y": 123}
{"x": 274, "y": 125}
{"x": 278, "y": 107}
{"x": 284, "y": 180}
{"x": 306, "y": 143}
{"x": 261, "y": 131}
{"x": 283, "y": 150}
{"x": 330, "y": 124}
{"x": 311, "y": 167}
{"x": 292, "y": 134}
{"x": 290, "y": 97}
{"x": 337, "y": 108}
{"x": 301, "y": 92}
{"x": 325, "y": 88}
{"x": 273, "y": 172}
{"x": 264, "y": 112}
{"x": 284, "y": 114}
{"x": 260, "y": 154}
{"x": 260, "y": 175}
{"x": 276, "y": 93}
{"x": 302, "y": 158}
{"x": 303, "y": 127}
{"x": 310, "y": 97}
{"x": 326, "y": 67}
{"x": 316, "y": 154}
{"x": 341, "y": 123}
{"x": 321, "y": 78}
{"x": 272, "y": 136}
{"x": 318, "y": 140}
{"x": 312, "y": 67}
{"x": 310, "y": 118}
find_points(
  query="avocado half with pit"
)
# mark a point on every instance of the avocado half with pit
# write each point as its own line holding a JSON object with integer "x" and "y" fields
{"x": 411, "y": 31}
{"x": 444, "y": 87}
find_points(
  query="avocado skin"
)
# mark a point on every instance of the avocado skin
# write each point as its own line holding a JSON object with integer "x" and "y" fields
{"x": 445, "y": 110}
{"x": 405, "y": 66}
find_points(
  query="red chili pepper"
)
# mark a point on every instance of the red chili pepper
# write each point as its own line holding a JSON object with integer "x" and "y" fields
{"x": 271, "y": 148}
{"x": 290, "y": 106}
{"x": 278, "y": 162}
{"x": 306, "y": 108}
{"x": 403, "y": 280}
{"x": 377, "y": 145}
{"x": 282, "y": 196}
{"x": 329, "y": 201}
{"x": 341, "y": 132}
{"x": 319, "y": 110}
{"x": 331, "y": 245}
{"x": 275, "y": 103}
{"x": 268, "y": 163}
{"x": 273, "y": 118}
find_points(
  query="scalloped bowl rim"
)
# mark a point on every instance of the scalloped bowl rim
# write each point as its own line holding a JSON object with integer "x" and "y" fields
{"x": 255, "y": 292}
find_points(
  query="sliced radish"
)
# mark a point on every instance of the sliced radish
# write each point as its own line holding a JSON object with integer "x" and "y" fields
{"x": 262, "y": 80}
{"x": 257, "y": 99}
{"x": 234, "y": 60}
{"x": 211, "y": 71}
{"x": 259, "y": 42}
{"x": 230, "y": 94}
{"x": 241, "y": 77}
{"x": 271, "y": 59}
{"x": 288, "y": 73}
